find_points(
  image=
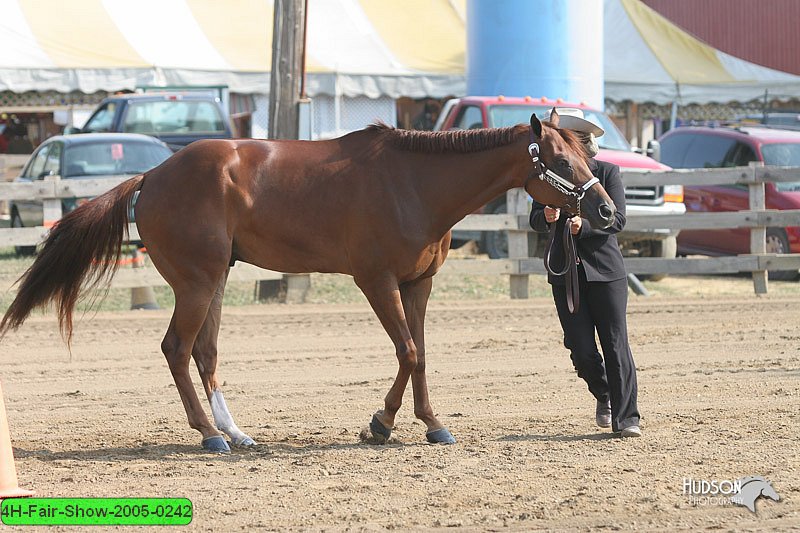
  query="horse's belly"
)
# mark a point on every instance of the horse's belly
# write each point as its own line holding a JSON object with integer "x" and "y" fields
{"x": 290, "y": 248}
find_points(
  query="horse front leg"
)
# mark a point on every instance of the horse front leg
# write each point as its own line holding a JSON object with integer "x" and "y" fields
{"x": 415, "y": 296}
{"x": 384, "y": 297}
{"x": 205, "y": 357}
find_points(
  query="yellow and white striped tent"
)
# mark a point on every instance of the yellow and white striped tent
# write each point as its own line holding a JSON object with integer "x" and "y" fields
{"x": 366, "y": 48}
{"x": 649, "y": 59}
{"x": 354, "y": 47}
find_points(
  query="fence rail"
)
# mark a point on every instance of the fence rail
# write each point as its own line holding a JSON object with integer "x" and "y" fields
{"x": 520, "y": 264}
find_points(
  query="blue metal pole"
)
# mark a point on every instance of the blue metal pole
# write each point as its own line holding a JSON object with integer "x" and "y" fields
{"x": 551, "y": 48}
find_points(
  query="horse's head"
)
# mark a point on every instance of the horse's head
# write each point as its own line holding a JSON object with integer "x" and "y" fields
{"x": 560, "y": 176}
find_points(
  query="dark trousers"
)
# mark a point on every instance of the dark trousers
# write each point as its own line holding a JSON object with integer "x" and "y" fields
{"x": 602, "y": 308}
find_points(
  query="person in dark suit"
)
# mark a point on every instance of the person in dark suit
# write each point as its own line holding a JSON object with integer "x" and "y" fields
{"x": 603, "y": 292}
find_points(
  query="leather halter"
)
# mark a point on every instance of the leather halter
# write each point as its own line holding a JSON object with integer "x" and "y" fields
{"x": 560, "y": 184}
{"x": 571, "y": 260}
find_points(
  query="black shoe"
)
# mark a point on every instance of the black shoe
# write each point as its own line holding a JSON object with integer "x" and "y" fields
{"x": 602, "y": 414}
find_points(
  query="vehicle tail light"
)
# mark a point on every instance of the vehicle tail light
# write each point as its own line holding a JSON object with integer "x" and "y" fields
{"x": 673, "y": 193}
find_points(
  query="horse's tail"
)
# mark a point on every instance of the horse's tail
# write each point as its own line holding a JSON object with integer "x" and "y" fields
{"x": 81, "y": 251}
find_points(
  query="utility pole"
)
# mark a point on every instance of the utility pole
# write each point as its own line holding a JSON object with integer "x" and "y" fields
{"x": 286, "y": 90}
{"x": 288, "y": 68}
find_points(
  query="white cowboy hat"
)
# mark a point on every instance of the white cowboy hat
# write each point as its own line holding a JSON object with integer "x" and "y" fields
{"x": 572, "y": 118}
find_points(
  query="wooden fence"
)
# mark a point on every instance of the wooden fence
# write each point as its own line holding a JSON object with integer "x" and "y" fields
{"x": 520, "y": 264}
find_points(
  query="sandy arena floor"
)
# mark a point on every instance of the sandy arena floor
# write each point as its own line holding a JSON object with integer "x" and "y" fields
{"x": 719, "y": 392}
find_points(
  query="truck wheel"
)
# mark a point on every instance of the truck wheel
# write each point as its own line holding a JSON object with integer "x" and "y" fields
{"x": 495, "y": 243}
{"x": 777, "y": 243}
{"x": 664, "y": 248}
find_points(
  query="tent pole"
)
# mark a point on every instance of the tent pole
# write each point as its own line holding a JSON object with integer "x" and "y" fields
{"x": 673, "y": 116}
{"x": 337, "y": 106}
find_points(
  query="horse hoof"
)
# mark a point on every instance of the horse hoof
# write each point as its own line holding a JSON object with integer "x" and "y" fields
{"x": 245, "y": 441}
{"x": 216, "y": 444}
{"x": 379, "y": 431}
{"x": 440, "y": 436}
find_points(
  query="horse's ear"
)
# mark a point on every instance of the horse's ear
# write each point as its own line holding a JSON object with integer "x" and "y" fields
{"x": 554, "y": 117}
{"x": 536, "y": 126}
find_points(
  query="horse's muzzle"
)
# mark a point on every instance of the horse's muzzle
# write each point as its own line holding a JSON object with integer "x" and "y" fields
{"x": 607, "y": 212}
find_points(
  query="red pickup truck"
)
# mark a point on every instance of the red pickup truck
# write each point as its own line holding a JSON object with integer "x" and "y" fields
{"x": 499, "y": 111}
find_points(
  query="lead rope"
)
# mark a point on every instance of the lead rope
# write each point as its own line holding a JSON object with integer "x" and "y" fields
{"x": 568, "y": 241}
{"x": 570, "y": 270}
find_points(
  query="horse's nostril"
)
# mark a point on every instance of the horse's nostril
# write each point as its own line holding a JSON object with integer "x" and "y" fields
{"x": 606, "y": 211}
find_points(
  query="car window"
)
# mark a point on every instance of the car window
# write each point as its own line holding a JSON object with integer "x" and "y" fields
{"x": 102, "y": 120}
{"x": 173, "y": 117}
{"x": 111, "y": 158}
{"x": 708, "y": 151}
{"x": 786, "y": 155}
{"x": 469, "y": 118}
{"x": 742, "y": 155}
{"x": 502, "y": 116}
{"x": 36, "y": 166}
{"x": 674, "y": 148}
{"x": 52, "y": 163}
{"x": 612, "y": 139}
{"x": 781, "y": 154}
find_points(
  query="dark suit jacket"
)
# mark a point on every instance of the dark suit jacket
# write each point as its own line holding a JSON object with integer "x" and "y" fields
{"x": 598, "y": 249}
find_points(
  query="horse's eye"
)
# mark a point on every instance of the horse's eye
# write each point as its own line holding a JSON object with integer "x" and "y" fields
{"x": 563, "y": 163}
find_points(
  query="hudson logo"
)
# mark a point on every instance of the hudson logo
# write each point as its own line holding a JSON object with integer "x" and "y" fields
{"x": 743, "y": 491}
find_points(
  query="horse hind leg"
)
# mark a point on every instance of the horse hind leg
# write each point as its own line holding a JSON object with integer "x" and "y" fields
{"x": 205, "y": 357}
{"x": 384, "y": 297}
{"x": 191, "y": 306}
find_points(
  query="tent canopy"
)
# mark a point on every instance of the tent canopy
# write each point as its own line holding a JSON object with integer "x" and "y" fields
{"x": 649, "y": 59}
{"x": 368, "y": 48}
{"x": 354, "y": 47}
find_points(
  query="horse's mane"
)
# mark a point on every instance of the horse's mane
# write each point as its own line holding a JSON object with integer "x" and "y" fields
{"x": 462, "y": 141}
{"x": 572, "y": 141}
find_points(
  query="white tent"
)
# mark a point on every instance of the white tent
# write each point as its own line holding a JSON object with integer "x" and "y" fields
{"x": 361, "y": 54}
{"x": 649, "y": 59}
{"x": 354, "y": 47}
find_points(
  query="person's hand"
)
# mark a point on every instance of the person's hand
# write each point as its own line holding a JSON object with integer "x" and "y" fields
{"x": 575, "y": 224}
{"x": 551, "y": 214}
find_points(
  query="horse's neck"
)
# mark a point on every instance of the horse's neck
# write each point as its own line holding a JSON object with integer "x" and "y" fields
{"x": 462, "y": 183}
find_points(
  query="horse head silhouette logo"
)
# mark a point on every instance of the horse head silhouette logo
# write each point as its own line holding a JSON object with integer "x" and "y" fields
{"x": 751, "y": 489}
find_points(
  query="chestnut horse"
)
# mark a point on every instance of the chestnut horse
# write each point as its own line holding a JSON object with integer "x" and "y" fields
{"x": 376, "y": 204}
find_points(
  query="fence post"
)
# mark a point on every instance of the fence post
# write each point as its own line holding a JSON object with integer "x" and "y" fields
{"x": 758, "y": 236}
{"x": 517, "y": 204}
{"x": 51, "y": 207}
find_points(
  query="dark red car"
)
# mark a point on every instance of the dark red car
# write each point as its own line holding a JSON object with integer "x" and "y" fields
{"x": 713, "y": 147}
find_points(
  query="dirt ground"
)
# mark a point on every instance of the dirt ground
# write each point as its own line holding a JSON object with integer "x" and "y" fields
{"x": 719, "y": 382}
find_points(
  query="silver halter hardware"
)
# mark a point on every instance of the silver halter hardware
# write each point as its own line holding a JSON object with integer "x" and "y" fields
{"x": 562, "y": 185}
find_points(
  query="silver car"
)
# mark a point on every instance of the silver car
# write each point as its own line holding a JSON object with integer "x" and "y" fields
{"x": 83, "y": 156}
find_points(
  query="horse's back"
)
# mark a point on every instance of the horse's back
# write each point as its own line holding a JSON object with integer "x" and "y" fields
{"x": 275, "y": 202}
{"x": 294, "y": 206}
